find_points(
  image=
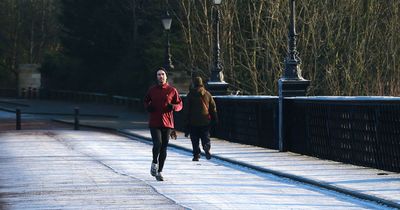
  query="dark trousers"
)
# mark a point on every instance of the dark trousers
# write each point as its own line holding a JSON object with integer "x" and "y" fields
{"x": 160, "y": 137}
{"x": 197, "y": 133}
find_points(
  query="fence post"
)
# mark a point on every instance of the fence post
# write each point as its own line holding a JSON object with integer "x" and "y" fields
{"x": 18, "y": 119}
{"x": 76, "y": 121}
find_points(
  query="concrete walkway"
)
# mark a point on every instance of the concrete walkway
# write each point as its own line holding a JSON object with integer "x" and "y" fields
{"x": 362, "y": 182}
{"x": 66, "y": 169}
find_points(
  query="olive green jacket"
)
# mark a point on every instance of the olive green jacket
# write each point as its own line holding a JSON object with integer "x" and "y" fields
{"x": 199, "y": 108}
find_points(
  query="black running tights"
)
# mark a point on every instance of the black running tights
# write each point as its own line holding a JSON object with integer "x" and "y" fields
{"x": 160, "y": 137}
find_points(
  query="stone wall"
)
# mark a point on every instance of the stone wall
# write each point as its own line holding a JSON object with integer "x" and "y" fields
{"x": 29, "y": 79}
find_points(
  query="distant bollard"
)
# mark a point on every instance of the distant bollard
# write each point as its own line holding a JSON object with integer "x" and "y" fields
{"x": 76, "y": 122}
{"x": 18, "y": 119}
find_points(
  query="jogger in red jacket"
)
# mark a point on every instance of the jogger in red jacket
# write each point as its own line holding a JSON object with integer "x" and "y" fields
{"x": 161, "y": 101}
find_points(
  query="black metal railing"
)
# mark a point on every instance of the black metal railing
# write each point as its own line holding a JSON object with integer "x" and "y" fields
{"x": 358, "y": 130}
{"x": 67, "y": 95}
{"x": 8, "y": 92}
{"x": 245, "y": 119}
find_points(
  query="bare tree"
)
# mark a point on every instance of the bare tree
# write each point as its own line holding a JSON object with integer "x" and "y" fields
{"x": 346, "y": 47}
{"x": 29, "y": 29}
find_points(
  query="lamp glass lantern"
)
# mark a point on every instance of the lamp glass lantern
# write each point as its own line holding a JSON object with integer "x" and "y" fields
{"x": 166, "y": 21}
{"x": 217, "y": 2}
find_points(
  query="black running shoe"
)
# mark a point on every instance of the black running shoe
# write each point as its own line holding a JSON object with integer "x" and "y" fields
{"x": 153, "y": 169}
{"x": 159, "y": 177}
{"x": 196, "y": 157}
{"x": 208, "y": 155}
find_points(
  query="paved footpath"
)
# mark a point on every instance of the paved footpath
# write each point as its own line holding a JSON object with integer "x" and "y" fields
{"x": 58, "y": 169}
{"x": 361, "y": 182}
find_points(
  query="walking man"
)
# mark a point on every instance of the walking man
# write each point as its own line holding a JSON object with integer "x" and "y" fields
{"x": 161, "y": 101}
{"x": 200, "y": 113}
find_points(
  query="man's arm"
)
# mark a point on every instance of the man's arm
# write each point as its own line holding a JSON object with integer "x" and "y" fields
{"x": 213, "y": 111}
{"x": 177, "y": 104}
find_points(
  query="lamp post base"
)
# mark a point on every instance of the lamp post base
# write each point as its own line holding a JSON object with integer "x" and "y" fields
{"x": 217, "y": 88}
{"x": 288, "y": 88}
{"x": 292, "y": 87}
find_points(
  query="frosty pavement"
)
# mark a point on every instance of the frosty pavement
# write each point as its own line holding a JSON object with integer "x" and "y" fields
{"x": 60, "y": 169}
{"x": 42, "y": 170}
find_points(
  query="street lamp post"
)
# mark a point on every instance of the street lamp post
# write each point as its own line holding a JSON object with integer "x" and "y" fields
{"x": 292, "y": 61}
{"x": 167, "y": 21}
{"x": 217, "y": 85}
{"x": 291, "y": 83}
{"x": 216, "y": 73}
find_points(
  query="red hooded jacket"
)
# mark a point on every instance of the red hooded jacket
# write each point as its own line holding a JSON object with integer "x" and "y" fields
{"x": 157, "y": 98}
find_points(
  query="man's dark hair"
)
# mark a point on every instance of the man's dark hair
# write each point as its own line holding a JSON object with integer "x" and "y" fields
{"x": 161, "y": 68}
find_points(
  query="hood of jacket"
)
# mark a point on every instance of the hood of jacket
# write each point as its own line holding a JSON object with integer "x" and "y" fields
{"x": 200, "y": 91}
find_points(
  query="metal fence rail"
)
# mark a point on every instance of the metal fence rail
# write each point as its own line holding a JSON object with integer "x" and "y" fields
{"x": 357, "y": 130}
{"x": 360, "y": 132}
{"x": 244, "y": 119}
{"x": 8, "y": 92}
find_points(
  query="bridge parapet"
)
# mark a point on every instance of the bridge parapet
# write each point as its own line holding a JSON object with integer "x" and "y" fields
{"x": 135, "y": 103}
{"x": 357, "y": 130}
{"x": 249, "y": 120}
